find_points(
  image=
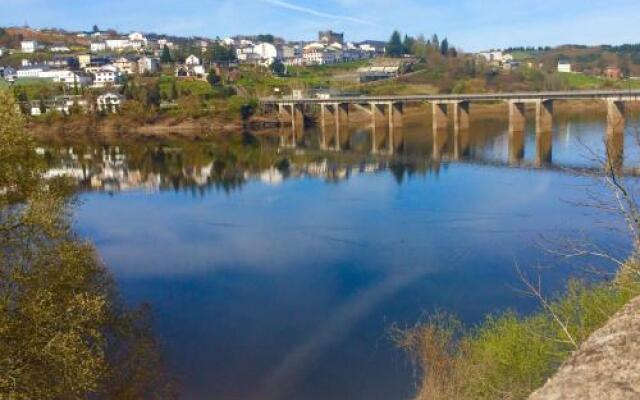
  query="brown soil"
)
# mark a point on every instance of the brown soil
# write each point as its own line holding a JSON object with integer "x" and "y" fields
{"x": 115, "y": 129}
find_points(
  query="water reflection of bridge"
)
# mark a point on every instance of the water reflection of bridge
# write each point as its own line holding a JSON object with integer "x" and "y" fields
{"x": 391, "y": 140}
{"x": 386, "y": 116}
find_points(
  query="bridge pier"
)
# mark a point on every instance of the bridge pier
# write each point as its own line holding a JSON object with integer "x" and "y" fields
{"x": 517, "y": 118}
{"x": 439, "y": 116}
{"x": 292, "y": 113}
{"x": 461, "y": 116}
{"x": 544, "y": 115}
{"x": 544, "y": 148}
{"x": 461, "y": 144}
{"x": 327, "y": 118}
{"x": 396, "y": 112}
{"x": 614, "y": 140}
{"x": 285, "y": 112}
{"x": 461, "y": 129}
{"x": 439, "y": 143}
{"x": 341, "y": 117}
{"x": 377, "y": 115}
{"x": 517, "y": 122}
{"x": 516, "y": 147}
{"x": 544, "y": 131}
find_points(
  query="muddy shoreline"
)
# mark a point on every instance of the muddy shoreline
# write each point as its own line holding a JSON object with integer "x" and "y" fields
{"x": 116, "y": 129}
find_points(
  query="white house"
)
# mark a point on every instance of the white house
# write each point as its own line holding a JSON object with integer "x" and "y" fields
{"x": 492, "y": 55}
{"x": 107, "y": 75}
{"x": 62, "y": 104}
{"x": 320, "y": 54}
{"x": 148, "y": 65}
{"x": 165, "y": 42}
{"x": 192, "y": 60}
{"x": 139, "y": 38}
{"x": 59, "y": 49}
{"x": 191, "y": 71}
{"x": 126, "y": 66}
{"x": 97, "y": 47}
{"x": 117, "y": 44}
{"x": 267, "y": 52}
{"x": 2, "y": 51}
{"x": 69, "y": 78}
{"x": 564, "y": 66}
{"x": 109, "y": 102}
{"x": 31, "y": 72}
{"x": 29, "y": 46}
{"x": 366, "y": 47}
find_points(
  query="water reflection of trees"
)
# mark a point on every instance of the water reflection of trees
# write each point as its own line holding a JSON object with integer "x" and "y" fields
{"x": 224, "y": 164}
{"x": 64, "y": 332}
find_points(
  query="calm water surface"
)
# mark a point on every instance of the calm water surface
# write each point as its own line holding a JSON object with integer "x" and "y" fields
{"x": 276, "y": 273}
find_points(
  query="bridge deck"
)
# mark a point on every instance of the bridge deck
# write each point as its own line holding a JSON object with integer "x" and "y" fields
{"x": 622, "y": 95}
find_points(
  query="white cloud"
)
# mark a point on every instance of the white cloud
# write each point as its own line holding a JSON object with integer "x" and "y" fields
{"x": 316, "y": 13}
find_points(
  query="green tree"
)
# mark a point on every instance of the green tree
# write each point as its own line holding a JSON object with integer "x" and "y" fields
{"x": 165, "y": 57}
{"x": 435, "y": 42}
{"x": 63, "y": 332}
{"x": 174, "y": 94}
{"x": 444, "y": 47}
{"x": 394, "y": 47}
{"x": 408, "y": 44}
{"x": 213, "y": 78}
{"x": 266, "y": 38}
{"x": 95, "y": 28}
{"x": 43, "y": 107}
{"x": 278, "y": 68}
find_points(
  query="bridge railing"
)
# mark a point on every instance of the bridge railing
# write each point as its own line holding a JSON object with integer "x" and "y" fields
{"x": 505, "y": 96}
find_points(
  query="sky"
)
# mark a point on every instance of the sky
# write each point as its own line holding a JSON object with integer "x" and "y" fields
{"x": 469, "y": 24}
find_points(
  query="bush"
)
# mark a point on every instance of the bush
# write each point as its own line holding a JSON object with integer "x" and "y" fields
{"x": 507, "y": 356}
{"x": 190, "y": 106}
{"x": 243, "y": 106}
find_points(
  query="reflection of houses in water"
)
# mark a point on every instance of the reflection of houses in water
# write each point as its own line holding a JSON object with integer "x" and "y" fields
{"x": 271, "y": 176}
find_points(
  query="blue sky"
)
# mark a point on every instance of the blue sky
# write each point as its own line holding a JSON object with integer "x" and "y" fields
{"x": 469, "y": 24}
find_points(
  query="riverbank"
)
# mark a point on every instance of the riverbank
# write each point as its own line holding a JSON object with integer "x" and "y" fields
{"x": 78, "y": 128}
{"x": 508, "y": 356}
{"x": 81, "y": 128}
{"x": 607, "y": 363}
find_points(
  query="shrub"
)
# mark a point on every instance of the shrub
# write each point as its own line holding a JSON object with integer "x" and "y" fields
{"x": 508, "y": 356}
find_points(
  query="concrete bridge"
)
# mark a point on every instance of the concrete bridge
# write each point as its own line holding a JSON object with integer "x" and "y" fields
{"x": 388, "y": 111}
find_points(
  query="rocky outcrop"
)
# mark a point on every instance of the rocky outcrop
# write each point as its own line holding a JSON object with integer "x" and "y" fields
{"x": 605, "y": 367}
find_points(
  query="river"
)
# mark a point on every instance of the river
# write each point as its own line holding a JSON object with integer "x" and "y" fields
{"x": 276, "y": 271}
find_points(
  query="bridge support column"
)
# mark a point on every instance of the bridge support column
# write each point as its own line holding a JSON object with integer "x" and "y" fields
{"x": 516, "y": 116}
{"x": 379, "y": 126}
{"x": 377, "y": 115}
{"x": 461, "y": 144}
{"x": 396, "y": 112}
{"x": 461, "y": 116}
{"x": 544, "y": 115}
{"x": 544, "y": 132}
{"x": 297, "y": 123}
{"x": 439, "y": 116}
{"x": 439, "y": 143}
{"x": 615, "y": 135}
{"x": 298, "y": 116}
{"x": 516, "y": 147}
{"x": 285, "y": 112}
{"x": 342, "y": 125}
{"x": 517, "y": 123}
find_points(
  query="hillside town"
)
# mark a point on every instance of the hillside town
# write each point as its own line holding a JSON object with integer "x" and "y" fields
{"x": 105, "y": 60}
{"x": 102, "y": 63}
